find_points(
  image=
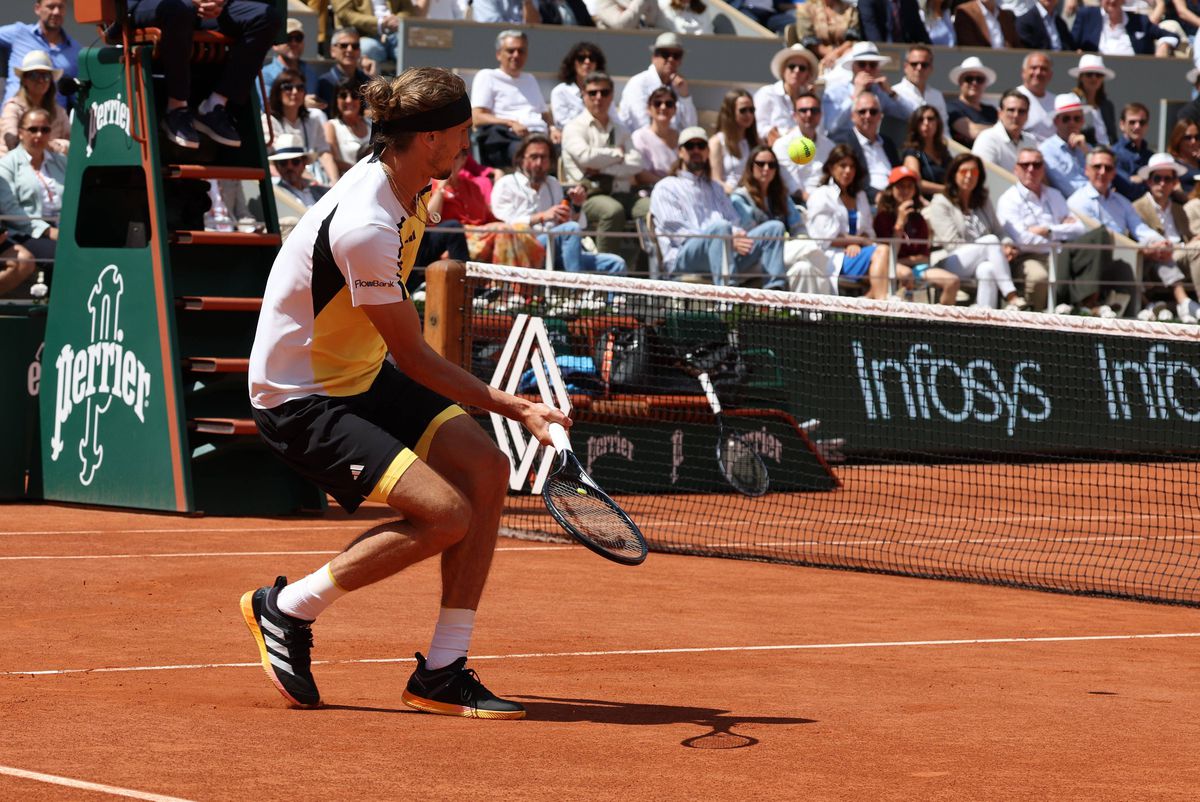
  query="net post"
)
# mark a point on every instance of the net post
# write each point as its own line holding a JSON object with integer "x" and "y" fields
{"x": 1052, "y": 278}
{"x": 445, "y": 298}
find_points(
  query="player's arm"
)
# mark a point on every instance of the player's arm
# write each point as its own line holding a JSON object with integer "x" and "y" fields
{"x": 400, "y": 328}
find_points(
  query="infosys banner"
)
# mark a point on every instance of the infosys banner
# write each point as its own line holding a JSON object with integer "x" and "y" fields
{"x": 938, "y": 388}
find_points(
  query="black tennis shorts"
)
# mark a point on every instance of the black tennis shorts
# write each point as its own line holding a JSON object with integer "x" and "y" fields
{"x": 357, "y": 447}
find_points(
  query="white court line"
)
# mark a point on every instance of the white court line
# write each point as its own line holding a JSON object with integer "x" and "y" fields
{"x": 189, "y": 530}
{"x": 84, "y": 785}
{"x": 178, "y": 554}
{"x": 636, "y": 652}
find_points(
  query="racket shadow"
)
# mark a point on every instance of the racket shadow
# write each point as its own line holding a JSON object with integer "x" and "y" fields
{"x": 718, "y": 723}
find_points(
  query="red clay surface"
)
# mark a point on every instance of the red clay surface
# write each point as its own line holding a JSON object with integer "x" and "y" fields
{"x": 865, "y": 711}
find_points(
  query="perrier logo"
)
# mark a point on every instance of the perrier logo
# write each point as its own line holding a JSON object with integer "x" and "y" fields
{"x": 90, "y": 377}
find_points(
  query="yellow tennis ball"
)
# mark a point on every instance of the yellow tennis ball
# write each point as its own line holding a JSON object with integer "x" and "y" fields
{"x": 802, "y": 150}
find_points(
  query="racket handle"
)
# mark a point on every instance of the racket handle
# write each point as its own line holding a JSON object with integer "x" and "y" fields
{"x": 711, "y": 392}
{"x": 558, "y": 435}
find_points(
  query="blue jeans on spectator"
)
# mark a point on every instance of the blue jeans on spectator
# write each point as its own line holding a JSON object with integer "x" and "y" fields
{"x": 378, "y": 50}
{"x": 705, "y": 254}
{"x": 569, "y": 254}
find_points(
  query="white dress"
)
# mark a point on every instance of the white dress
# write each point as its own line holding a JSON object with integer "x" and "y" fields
{"x": 348, "y": 142}
{"x": 734, "y": 166}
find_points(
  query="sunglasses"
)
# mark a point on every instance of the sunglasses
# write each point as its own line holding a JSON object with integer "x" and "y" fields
{"x": 1159, "y": 178}
{"x": 1102, "y": 168}
{"x": 867, "y": 112}
{"x": 347, "y": 46}
{"x": 695, "y": 145}
{"x": 1132, "y": 121}
{"x": 669, "y": 54}
{"x": 768, "y": 165}
{"x": 746, "y": 110}
{"x": 664, "y": 104}
{"x": 797, "y": 66}
{"x": 291, "y": 87}
{"x": 1017, "y": 110}
{"x": 598, "y": 92}
{"x": 582, "y": 57}
{"x": 38, "y": 129}
{"x": 920, "y": 65}
{"x": 1071, "y": 118}
{"x": 1190, "y": 138}
{"x": 867, "y": 65}
{"x": 37, "y": 75}
{"x": 1031, "y": 165}
{"x": 295, "y": 37}
{"x": 973, "y": 79}
{"x": 296, "y": 162}
{"x": 809, "y": 110}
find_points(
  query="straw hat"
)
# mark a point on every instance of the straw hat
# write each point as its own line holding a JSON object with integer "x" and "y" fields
{"x": 864, "y": 51}
{"x": 1067, "y": 102}
{"x": 37, "y": 61}
{"x": 1091, "y": 62}
{"x": 289, "y": 146}
{"x": 1161, "y": 161}
{"x": 972, "y": 64}
{"x": 780, "y": 60}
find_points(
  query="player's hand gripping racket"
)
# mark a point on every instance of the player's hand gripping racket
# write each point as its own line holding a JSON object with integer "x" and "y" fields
{"x": 586, "y": 511}
{"x": 740, "y": 464}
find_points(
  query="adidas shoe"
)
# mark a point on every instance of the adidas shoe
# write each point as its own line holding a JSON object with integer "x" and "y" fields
{"x": 179, "y": 128}
{"x": 218, "y": 126}
{"x": 455, "y": 691}
{"x": 285, "y": 644}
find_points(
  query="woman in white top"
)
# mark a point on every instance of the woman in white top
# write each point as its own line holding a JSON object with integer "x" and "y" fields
{"x": 938, "y": 22}
{"x": 566, "y": 98}
{"x": 348, "y": 131}
{"x": 658, "y": 142}
{"x": 736, "y": 136}
{"x": 839, "y": 215}
{"x": 626, "y": 14}
{"x": 290, "y": 115}
{"x": 683, "y": 16}
{"x": 972, "y": 241}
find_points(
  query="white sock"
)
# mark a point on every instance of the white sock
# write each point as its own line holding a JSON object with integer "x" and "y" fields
{"x": 451, "y": 637}
{"x": 212, "y": 100}
{"x": 307, "y": 598}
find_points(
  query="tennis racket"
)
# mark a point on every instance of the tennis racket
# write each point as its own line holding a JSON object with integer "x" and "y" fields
{"x": 740, "y": 464}
{"x": 586, "y": 512}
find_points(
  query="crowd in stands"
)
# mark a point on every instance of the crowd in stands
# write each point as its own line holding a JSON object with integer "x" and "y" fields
{"x": 725, "y": 205}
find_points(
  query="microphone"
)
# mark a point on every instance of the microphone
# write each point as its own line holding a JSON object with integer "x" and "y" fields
{"x": 69, "y": 86}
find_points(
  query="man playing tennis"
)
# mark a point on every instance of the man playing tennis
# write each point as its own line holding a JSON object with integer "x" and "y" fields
{"x": 361, "y": 428}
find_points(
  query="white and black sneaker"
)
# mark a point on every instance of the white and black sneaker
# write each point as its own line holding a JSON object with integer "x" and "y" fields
{"x": 180, "y": 129}
{"x": 285, "y": 644}
{"x": 218, "y": 126}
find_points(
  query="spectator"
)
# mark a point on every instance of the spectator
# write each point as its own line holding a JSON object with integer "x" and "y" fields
{"x": 1131, "y": 150}
{"x": 1159, "y": 210}
{"x": 507, "y": 103}
{"x": 17, "y": 268}
{"x": 626, "y": 14}
{"x": 1115, "y": 214}
{"x": 1042, "y": 28}
{"x": 827, "y": 28}
{"x": 511, "y": 12}
{"x": 683, "y": 16}
{"x": 346, "y": 48}
{"x": 864, "y": 64}
{"x": 658, "y": 142}
{"x": 914, "y": 91}
{"x": 1035, "y": 216}
{"x": 1182, "y": 15}
{"x": 1111, "y": 30}
{"x": 999, "y": 144}
{"x": 295, "y": 191}
{"x": 873, "y": 150}
{"x": 532, "y": 197}
{"x": 36, "y": 91}
{"x": 688, "y": 203}
{"x": 598, "y": 153}
{"x": 1066, "y": 151}
{"x": 924, "y": 150}
{"x": 736, "y": 136}
{"x": 1184, "y": 145}
{"x": 1191, "y": 109}
{"x": 288, "y": 113}
{"x": 348, "y": 131}
{"x": 1036, "y": 74}
{"x": 771, "y": 15}
{"x": 965, "y": 226}
{"x": 899, "y": 217}
{"x": 939, "y": 23}
{"x": 761, "y": 196}
{"x": 982, "y": 23}
{"x": 892, "y": 21}
{"x": 566, "y": 98}
{"x": 801, "y": 179}
{"x": 666, "y": 59}
{"x": 796, "y": 69}
{"x": 47, "y": 35}
{"x": 839, "y": 216}
{"x": 290, "y": 56}
{"x": 31, "y": 186}
{"x": 376, "y": 21}
{"x": 967, "y": 115}
{"x": 1100, "y": 118}
{"x": 249, "y": 23}
{"x": 566, "y": 12}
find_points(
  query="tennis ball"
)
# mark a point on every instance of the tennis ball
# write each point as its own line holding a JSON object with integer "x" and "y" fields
{"x": 802, "y": 150}
{"x": 581, "y": 491}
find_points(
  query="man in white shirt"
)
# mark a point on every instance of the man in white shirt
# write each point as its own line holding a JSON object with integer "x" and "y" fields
{"x": 1159, "y": 209}
{"x": 598, "y": 152}
{"x": 1000, "y": 143}
{"x": 1034, "y": 216}
{"x": 1036, "y": 73}
{"x": 666, "y": 58}
{"x": 875, "y": 151}
{"x": 914, "y": 91}
{"x": 507, "y": 103}
{"x": 533, "y": 197}
{"x": 800, "y": 179}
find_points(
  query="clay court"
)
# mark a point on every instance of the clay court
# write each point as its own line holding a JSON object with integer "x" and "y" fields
{"x": 127, "y": 673}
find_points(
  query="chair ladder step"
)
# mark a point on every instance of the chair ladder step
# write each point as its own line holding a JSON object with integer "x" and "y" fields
{"x": 224, "y": 426}
{"x": 225, "y": 238}
{"x": 215, "y": 172}
{"x": 216, "y": 364}
{"x": 214, "y": 303}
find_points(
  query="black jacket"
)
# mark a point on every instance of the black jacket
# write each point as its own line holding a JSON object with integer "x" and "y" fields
{"x": 551, "y": 16}
{"x": 1032, "y": 32}
{"x": 876, "y": 21}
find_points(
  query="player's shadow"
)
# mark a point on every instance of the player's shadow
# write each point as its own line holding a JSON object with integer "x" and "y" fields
{"x": 718, "y": 723}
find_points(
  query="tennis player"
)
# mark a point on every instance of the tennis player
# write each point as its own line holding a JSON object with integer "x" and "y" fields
{"x": 326, "y": 399}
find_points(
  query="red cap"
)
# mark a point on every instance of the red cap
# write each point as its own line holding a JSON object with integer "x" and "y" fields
{"x": 900, "y": 173}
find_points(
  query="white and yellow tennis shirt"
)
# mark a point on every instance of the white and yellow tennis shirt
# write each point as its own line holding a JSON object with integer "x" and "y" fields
{"x": 355, "y": 247}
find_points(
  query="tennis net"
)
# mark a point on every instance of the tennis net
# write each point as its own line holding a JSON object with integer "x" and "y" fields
{"x": 1032, "y": 450}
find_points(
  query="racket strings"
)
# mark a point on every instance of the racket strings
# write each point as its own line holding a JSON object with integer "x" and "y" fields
{"x": 591, "y": 515}
{"x": 742, "y": 466}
